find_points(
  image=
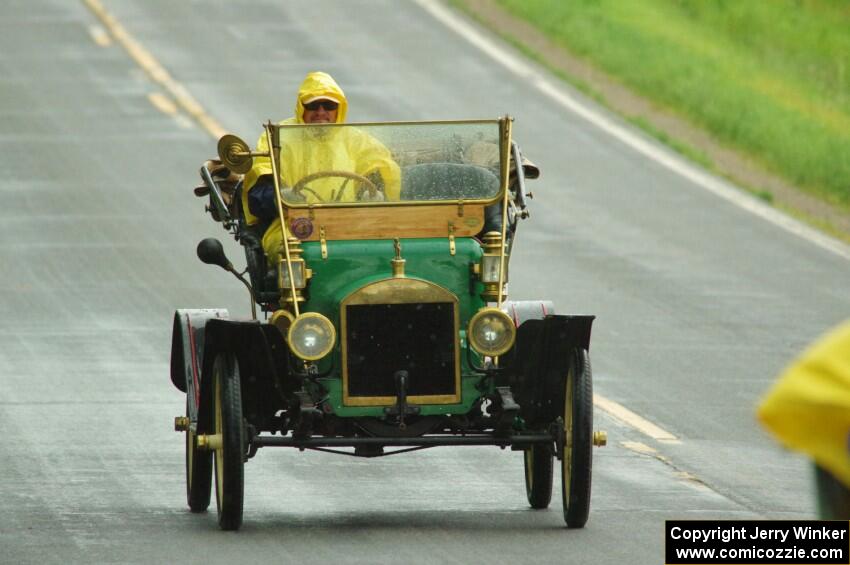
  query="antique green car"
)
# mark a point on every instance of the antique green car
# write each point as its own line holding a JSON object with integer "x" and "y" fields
{"x": 384, "y": 321}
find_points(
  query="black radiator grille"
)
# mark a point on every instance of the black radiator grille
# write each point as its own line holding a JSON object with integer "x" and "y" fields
{"x": 385, "y": 338}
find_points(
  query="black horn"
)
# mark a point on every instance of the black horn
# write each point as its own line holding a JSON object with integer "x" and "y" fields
{"x": 211, "y": 252}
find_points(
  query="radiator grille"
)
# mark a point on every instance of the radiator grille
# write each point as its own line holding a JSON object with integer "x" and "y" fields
{"x": 385, "y": 338}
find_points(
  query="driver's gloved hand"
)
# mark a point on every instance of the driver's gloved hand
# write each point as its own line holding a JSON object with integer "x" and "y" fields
{"x": 290, "y": 195}
{"x": 368, "y": 197}
{"x": 379, "y": 196}
{"x": 377, "y": 180}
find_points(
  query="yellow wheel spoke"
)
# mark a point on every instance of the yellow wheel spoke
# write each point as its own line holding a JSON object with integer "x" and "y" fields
{"x": 566, "y": 464}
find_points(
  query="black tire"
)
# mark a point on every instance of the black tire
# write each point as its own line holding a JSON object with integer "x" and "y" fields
{"x": 538, "y": 475}
{"x": 199, "y": 464}
{"x": 227, "y": 421}
{"x": 578, "y": 423}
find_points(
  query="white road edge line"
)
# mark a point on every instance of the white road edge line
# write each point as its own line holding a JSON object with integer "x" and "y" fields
{"x": 641, "y": 424}
{"x": 554, "y": 91}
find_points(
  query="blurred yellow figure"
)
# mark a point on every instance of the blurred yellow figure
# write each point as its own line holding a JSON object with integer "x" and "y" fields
{"x": 808, "y": 409}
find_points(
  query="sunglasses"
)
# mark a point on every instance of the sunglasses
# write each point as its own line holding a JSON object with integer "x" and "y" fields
{"x": 328, "y": 105}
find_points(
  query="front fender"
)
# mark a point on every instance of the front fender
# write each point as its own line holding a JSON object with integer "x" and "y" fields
{"x": 187, "y": 345}
{"x": 536, "y": 368}
{"x": 263, "y": 358}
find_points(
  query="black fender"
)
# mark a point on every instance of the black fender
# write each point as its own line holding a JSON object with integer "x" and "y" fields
{"x": 536, "y": 367}
{"x": 263, "y": 358}
{"x": 187, "y": 347}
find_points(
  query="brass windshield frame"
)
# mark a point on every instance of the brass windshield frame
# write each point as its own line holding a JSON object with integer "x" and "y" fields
{"x": 273, "y": 140}
{"x": 503, "y": 122}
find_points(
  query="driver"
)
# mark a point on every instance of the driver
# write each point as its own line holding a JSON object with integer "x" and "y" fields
{"x": 305, "y": 152}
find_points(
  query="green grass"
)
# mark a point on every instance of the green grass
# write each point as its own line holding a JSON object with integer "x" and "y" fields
{"x": 768, "y": 77}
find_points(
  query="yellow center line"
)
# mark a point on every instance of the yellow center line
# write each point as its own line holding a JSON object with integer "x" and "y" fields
{"x": 684, "y": 476}
{"x": 163, "y": 103}
{"x": 623, "y": 414}
{"x": 639, "y": 447}
{"x": 100, "y": 36}
{"x": 156, "y": 71}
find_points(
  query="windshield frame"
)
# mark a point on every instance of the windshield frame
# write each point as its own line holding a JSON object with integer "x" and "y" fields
{"x": 504, "y": 124}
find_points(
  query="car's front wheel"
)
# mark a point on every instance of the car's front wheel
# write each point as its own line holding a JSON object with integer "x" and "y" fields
{"x": 228, "y": 426}
{"x": 578, "y": 440}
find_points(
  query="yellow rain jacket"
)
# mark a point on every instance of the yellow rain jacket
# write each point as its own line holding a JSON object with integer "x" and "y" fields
{"x": 808, "y": 409}
{"x": 306, "y": 151}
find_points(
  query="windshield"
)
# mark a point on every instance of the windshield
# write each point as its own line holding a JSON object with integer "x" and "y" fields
{"x": 338, "y": 164}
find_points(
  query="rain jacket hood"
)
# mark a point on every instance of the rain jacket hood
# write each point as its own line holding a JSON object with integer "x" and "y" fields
{"x": 808, "y": 409}
{"x": 320, "y": 85}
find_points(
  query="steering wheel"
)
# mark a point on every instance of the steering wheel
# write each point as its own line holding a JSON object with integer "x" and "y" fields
{"x": 302, "y": 184}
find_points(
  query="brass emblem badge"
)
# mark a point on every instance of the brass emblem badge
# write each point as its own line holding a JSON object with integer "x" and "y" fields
{"x": 302, "y": 228}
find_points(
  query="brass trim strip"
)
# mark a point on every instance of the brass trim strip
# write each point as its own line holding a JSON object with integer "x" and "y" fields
{"x": 391, "y": 400}
{"x": 388, "y": 203}
{"x": 400, "y": 123}
{"x": 505, "y": 151}
{"x": 506, "y": 143}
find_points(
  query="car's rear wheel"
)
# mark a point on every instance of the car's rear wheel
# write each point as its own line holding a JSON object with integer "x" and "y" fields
{"x": 538, "y": 475}
{"x": 198, "y": 471}
{"x": 229, "y": 462}
{"x": 578, "y": 440}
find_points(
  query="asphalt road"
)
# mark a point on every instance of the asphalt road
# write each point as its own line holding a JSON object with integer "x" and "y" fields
{"x": 699, "y": 303}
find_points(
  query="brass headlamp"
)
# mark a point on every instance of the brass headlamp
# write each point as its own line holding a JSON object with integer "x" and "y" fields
{"x": 491, "y": 332}
{"x": 311, "y": 336}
